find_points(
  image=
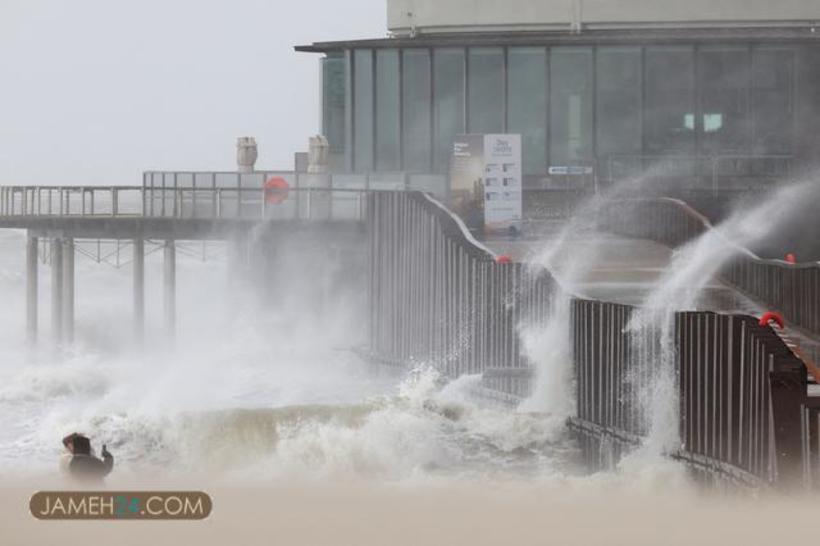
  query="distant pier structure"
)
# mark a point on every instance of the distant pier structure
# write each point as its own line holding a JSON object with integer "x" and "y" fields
{"x": 179, "y": 206}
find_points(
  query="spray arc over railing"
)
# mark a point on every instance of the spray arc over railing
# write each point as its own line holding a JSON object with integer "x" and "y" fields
{"x": 437, "y": 296}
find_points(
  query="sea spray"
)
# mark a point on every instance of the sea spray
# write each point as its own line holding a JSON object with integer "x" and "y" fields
{"x": 547, "y": 345}
{"x": 653, "y": 356}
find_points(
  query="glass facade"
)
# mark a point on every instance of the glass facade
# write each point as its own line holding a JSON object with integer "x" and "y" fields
{"x": 669, "y": 110}
{"x": 334, "y": 98}
{"x": 723, "y": 95}
{"x": 618, "y": 103}
{"x": 388, "y": 153}
{"x": 448, "y": 93}
{"x": 363, "y": 119}
{"x": 773, "y": 76}
{"x": 527, "y": 104}
{"x": 416, "y": 110}
{"x": 485, "y": 97}
{"x": 573, "y": 105}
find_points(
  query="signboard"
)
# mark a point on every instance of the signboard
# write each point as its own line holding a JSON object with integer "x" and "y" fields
{"x": 571, "y": 171}
{"x": 485, "y": 181}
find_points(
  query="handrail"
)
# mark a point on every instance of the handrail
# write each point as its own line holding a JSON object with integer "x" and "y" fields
{"x": 716, "y": 160}
{"x": 792, "y": 289}
{"x": 182, "y": 203}
{"x": 739, "y": 387}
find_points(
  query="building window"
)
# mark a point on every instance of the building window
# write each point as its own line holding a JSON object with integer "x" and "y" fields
{"x": 527, "y": 104}
{"x": 363, "y": 110}
{"x": 486, "y": 90}
{"x": 571, "y": 106}
{"x": 448, "y": 92}
{"x": 723, "y": 90}
{"x": 669, "y": 111}
{"x": 333, "y": 100}
{"x": 618, "y": 103}
{"x": 772, "y": 100}
{"x": 416, "y": 110}
{"x": 387, "y": 110}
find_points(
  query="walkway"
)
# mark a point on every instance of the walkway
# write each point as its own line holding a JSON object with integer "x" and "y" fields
{"x": 623, "y": 270}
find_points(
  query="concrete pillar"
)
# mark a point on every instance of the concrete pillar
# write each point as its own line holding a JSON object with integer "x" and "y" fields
{"x": 68, "y": 289}
{"x": 238, "y": 259}
{"x": 170, "y": 286}
{"x": 139, "y": 288}
{"x": 31, "y": 288}
{"x": 57, "y": 289}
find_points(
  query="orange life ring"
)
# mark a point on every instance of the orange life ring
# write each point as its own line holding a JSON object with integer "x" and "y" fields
{"x": 276, "y": 190}
{"x": 770, "y": 316}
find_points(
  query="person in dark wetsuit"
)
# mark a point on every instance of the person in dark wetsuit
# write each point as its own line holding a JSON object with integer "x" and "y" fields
{"x": 79, "y": 461}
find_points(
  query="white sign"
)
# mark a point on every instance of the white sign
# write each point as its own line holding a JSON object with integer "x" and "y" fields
{"x": 502, "y": 183}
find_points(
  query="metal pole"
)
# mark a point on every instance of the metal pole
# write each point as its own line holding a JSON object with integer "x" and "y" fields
{"x": 68, "y": 289}
{"x": 31, "y": 288}
{"x": 139, "y": 288}
{"x": 170, "y": 287}
{"x": 57, "y": 289}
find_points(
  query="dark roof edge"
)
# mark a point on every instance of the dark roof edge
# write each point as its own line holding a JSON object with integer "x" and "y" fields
{"x": 757, "y": 34}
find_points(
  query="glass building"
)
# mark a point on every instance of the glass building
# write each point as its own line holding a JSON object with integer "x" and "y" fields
{"x": 619, "y": 92}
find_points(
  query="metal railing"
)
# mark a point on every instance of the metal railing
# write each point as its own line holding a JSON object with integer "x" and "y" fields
{"x": 810, "y": 434}
{"x": 709, "y": 168}
{"x": 92, "y": 201}
{"x": 740, "y": 390}
{"x": 338, "y": 196}
{"x": 436, "y": 296}
{"x": 792, "y": 289}
{"x": 337, "y": 204}
{"x": 217, "y": 195}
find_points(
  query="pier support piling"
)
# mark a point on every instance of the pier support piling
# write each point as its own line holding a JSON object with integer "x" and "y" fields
{"x": 57, "y": 289}
{"x": 139, "y": 288}
{"x": 68, "y": 290}
{"x": 170, "y": 286}
{"x": 31, "y": 288}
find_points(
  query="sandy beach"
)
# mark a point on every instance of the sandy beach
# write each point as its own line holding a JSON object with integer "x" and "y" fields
{"x": 363, "y": 514}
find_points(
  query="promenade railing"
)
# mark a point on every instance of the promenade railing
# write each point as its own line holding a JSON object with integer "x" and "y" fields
{"x": 739, "y": 391}
{"x": 792, "y": 289}
{"x": 439, "y": 297}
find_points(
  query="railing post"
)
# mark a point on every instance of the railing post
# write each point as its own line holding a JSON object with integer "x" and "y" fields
{"x": 787, "y": 383}
{"x": 31, "y": 288}
{"x": 114, "y": 201}
{"x": 68, "y": 289}
{"x": 169, "y": 275}
{"x": 139, "y": 288}
{"x": 57, "y": 289}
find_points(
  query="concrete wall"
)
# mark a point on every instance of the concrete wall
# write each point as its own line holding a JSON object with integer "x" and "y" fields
{"x": 486, "y": 15}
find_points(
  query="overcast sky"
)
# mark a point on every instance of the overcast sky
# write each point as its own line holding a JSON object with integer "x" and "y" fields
{"x": 96, "y": 91}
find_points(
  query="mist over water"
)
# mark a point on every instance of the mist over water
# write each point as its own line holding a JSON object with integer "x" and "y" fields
{"x": 261, "y": 382}
{"x": 680, "y": 286}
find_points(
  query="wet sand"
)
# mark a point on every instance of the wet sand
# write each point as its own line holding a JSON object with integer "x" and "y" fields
{"x": 364, "y": 514}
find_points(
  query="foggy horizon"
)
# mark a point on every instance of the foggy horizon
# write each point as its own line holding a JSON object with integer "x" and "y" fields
{"x": 96, "y": 92}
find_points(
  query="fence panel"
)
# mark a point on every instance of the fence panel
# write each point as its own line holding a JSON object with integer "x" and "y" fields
{"x": 439, "y": 297}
